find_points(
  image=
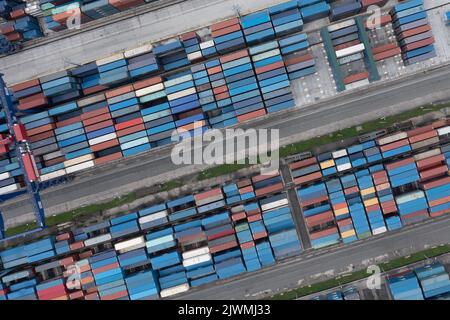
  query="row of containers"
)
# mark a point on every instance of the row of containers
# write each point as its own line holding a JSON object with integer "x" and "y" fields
{"x": 19, "y": 23}
{"x": 349, "y": 52}
{"x": 159, "y": 250}
{"x": 115, "y": 123}
{"x": 430, "y": 282}
{"x": 413, "y": 31}
{"x": 369, "y": 188}
{"x": 69, "y": 132}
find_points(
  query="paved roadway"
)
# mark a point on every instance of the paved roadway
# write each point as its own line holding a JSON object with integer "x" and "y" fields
{"x": 287, "y": 275}
{"x": 414, "y": 90}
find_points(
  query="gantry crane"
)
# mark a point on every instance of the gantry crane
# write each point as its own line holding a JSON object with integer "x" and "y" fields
{"x": 18, "y": 137}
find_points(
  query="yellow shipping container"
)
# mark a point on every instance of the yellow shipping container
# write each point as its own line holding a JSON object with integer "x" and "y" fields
{"x": 370, "y": 202}
{"x": 348, "y": 233}
{"x": 367, "y": 191}
{"x": 340, "y": 212}
{"x": 327, "y": 164}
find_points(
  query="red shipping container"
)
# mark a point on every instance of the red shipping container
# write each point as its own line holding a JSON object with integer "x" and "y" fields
{"x": 99, "y": 126}
{"x": 413, "y": 32}
{"x": 436, "y": 183}
{"x": 147, "y": 82}
{"x": 227, "y": 30}
{"x": 270, "y": 67}
{"x": 130, "y": 130}
{"x": 94, "y": 89}
{"x": 94, "y": 113}
{"x": 323, "y": 233}
{"x": 319, "y": 219}
{"x": 234, "y": 56}
{"x": 387, "y": 54}
{"x": 259, "y": 235}
{"x": 97, "y": 119}
{"x": 419, "y": 44}
{"x": 238, "y": 216}
{"x": 254, "y": 217}
{"x": 269, "y": 189}
{"x": 116, "y": 295}
{"x": 119, "y": 91}
{"x": 433, "y": 173}
{"x": 347, "y": 44}
{"x": 303, "y": 163}
{"x": 224, "y": 246}
{"x": 308, "y": 178}
{"x": 308, "y": 202}
{"x": 247, "y": 245}
{"x": 294, "y": 59}
{"x": 423, "y": 136}
{"x": 224, "y": 24}
{"x": 356, "y": 77}
{"x": 438, "y": 202}
{"x": 68, "y": 121}
{"x": 399, "y": 164}
{"x": 251, "y": 115}
{"x": 105, "y": 145}
{"x": 384, "y": 47}
{"x": 41, "y": 136}
{"x": 394, "y": 145}
{"x": 25, "y": 85}
{"x": 129, "y": 123}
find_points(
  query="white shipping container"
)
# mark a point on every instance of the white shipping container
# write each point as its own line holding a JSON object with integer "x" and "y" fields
{"x": 81, "y": 166}
{"x": 9, "y": 188}
{"x": 427, "y": 154}
{"x": 195, "y": 252}
{"x": 181, "y": 94}
{"x": 101, "y": 139}
{"x": 52, "y": 175}
{"x": 109, "y": 59}
{"x": 153, "y": 217}
{"x": 339, "y": 153}
{"x": 357, "y": 84}
{"x": 138, "y": 51}
{"x": 266, "y": 55}
{"x": 275, "y": 204}
{"x": 97, "y": 240}
{"x": 444, "y": 130}
{"x": 174, "y": 290}
{"x": 350, "y": 50}
{"x": 194, "y": 56}
{"x": 5, "y": 175}
{"x": 196, "y": 260}
{"x": 411, "y": 196}
{"x": 78, "y": 160}
{"x": 139, "y": 241}
{"x": 179, "y": 80}
{"x": 379, "y": 230}
{"x": 344, "y": 166}
{"x": 341, "y": 25}
{"x": 150, "y": 89}
{"x": 392, "y": 138}
{"x": 207, "y": 44}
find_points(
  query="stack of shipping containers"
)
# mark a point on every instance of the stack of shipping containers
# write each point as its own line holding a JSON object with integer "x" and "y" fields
{"x": 413, "y": 31}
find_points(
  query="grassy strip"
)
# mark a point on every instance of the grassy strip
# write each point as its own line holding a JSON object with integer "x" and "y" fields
{"x": 361, "y": 274}
{"x": 230, "y": 168}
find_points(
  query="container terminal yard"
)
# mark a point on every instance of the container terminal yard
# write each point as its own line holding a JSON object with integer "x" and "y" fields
{"x": 96, "y": 89}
